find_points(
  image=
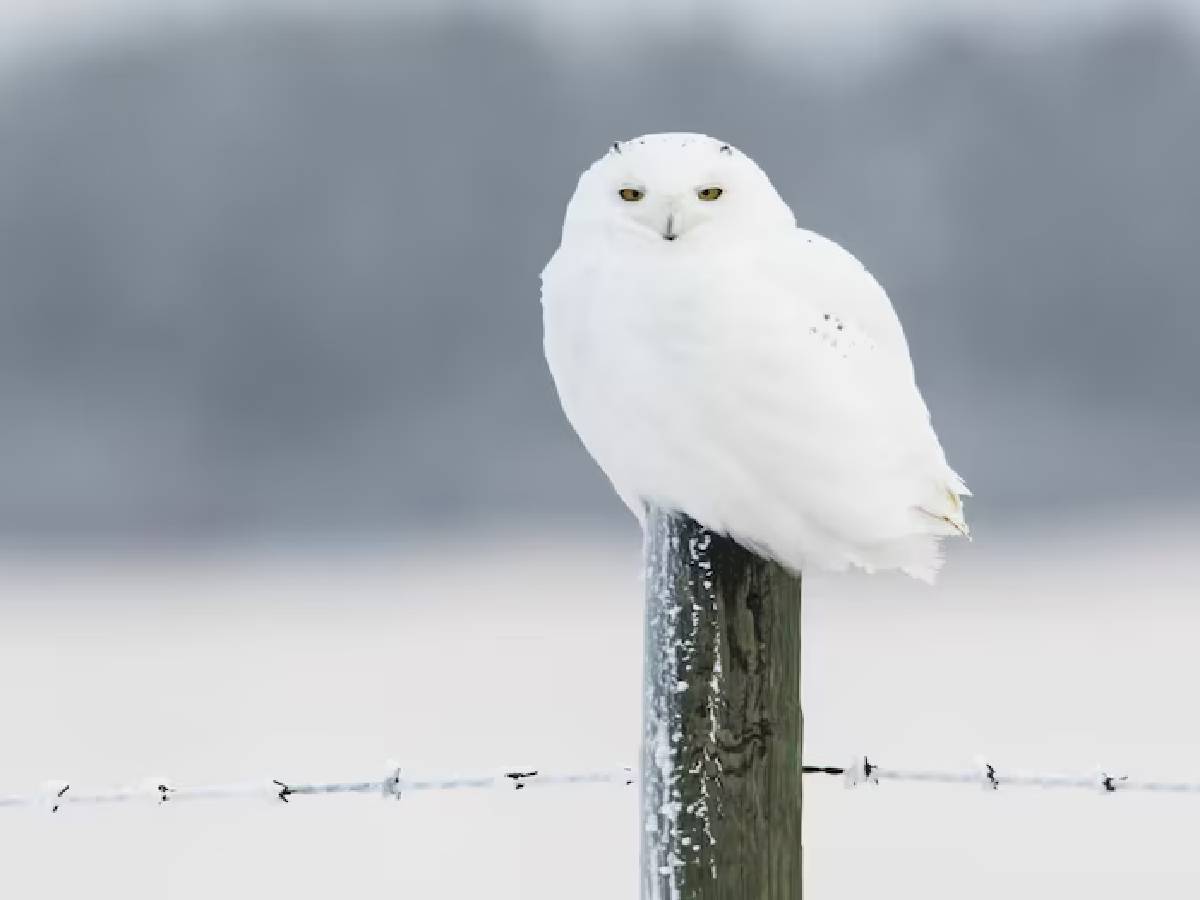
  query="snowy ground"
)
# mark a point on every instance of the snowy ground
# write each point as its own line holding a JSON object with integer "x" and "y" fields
{"x": 1068, "y": 650}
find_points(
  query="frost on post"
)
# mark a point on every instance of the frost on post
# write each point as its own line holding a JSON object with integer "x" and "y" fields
{"x": 722, "y": 725}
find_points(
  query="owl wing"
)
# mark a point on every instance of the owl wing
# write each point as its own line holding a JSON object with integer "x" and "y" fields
{"x": 824, "y": 272}
{"x": 852, "y": 321}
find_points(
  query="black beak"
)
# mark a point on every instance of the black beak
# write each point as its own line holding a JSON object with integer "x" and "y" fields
{"x": 669, "y": 234}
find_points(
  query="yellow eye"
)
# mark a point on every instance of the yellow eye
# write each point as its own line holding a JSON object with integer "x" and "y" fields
{"x": 631, "y": 194}
{"x": 709, "y": 193}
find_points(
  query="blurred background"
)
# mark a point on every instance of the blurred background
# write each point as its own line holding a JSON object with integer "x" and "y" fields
{"x": 272, "y": 391}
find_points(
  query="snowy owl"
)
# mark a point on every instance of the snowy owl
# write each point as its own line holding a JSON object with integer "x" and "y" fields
{"x": 717, "y": 360}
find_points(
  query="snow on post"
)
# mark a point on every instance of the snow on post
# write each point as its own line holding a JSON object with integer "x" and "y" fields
{"x": 722, "y": 724}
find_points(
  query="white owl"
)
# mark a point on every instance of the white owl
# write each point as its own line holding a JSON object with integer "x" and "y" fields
{"x": 718, "y": 360}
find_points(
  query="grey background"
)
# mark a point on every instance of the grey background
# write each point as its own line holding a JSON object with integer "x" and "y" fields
{"x": 276, "y": 279}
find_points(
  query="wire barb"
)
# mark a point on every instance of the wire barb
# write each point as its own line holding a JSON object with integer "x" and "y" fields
{"x": 285, "y": 791}
{"x": 391, "y": 784}
{"x": 987, "y": 774}
{"x": 520, "y": 779}
{"x": 1109, "y": 783}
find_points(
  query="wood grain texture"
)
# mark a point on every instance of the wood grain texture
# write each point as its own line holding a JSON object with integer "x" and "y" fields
{"x": 722, "y": 723}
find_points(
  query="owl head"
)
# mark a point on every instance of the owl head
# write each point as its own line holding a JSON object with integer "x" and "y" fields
{"x": 672, "y": 190}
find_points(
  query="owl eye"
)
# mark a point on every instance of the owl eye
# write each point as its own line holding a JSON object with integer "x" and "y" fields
{"x": 709, "y": 193}
{"x": 631, "y": 194}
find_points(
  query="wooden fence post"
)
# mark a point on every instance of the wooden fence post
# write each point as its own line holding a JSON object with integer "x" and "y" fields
{"x": 721, "y": 719}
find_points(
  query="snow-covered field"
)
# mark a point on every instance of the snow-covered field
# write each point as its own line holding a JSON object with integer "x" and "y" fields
{"x": 1068, "y": 649}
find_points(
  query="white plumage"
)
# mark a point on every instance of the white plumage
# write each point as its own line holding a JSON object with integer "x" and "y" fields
{"x": 718, "y": 360}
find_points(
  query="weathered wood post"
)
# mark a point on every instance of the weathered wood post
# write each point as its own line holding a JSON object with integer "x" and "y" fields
{"x": 721, "y": 721}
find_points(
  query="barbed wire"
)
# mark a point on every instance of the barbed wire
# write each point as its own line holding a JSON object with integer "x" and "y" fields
{"x": 985, "y": 775}
{"x": 56, "y": 795}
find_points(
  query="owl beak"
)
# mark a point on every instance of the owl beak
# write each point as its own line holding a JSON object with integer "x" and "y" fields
{"x": 669, "y": 233}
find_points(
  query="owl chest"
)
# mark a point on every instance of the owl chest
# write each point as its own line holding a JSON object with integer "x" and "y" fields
{"x": 643, "y": 345}
{"x": 653, "y": 318}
